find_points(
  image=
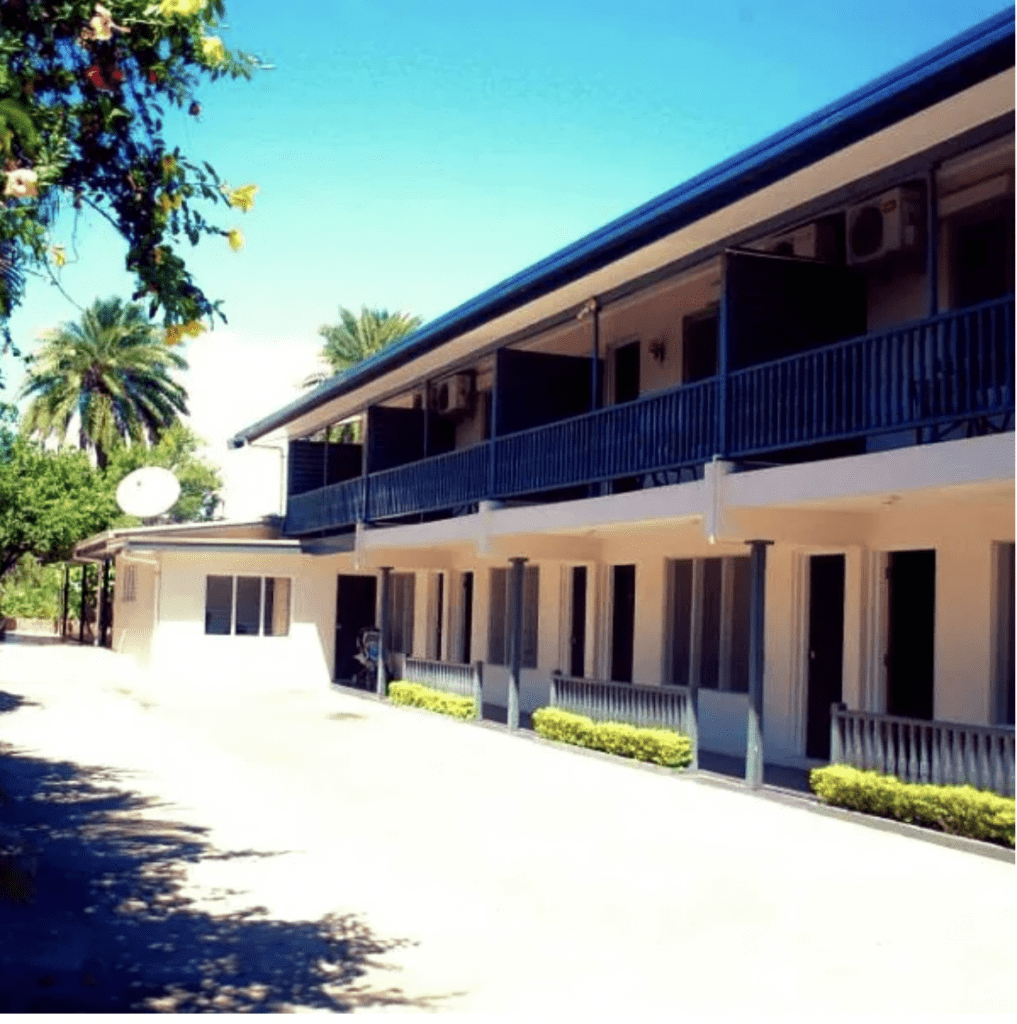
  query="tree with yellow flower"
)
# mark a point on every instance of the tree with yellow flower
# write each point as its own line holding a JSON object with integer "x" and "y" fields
{"x": 82, "y": 84}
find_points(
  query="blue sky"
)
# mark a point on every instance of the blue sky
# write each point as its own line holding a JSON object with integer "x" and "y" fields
{"x": 412, "y": 154}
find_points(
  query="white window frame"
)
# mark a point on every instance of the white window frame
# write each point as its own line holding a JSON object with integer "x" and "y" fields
{"x": 261, "y": 603}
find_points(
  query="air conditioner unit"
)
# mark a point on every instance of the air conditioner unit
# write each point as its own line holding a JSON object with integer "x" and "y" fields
{"x": 893, "y": 222}
{"x": 455, "y": 394}
{"x": 816, "y": 241}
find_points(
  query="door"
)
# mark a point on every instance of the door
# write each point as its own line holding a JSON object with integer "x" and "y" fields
{"x": 354, "y": 609}
{"x": 467, "y": 596}
{"x": 826, "y": 649}
{"x": 626, "y": 372}
{"x": 911, "y": 604}
{"x": 577, "y": 636}
{"x": 623, "y": 622}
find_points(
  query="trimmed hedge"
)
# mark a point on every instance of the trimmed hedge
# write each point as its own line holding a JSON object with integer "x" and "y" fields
{"x": 956, "y": 810}
{"x": 658, "y": 746}
{"x": 416, "y": 695}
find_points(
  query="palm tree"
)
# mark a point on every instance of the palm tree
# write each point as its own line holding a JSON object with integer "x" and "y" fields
{"x": 355, "y": 338}
{"x": 112, "y": 370}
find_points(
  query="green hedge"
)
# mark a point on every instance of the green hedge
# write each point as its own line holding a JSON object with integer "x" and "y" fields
{"x": 416, "y": 695}
{"x": 957, "y": 810}
{"x": 658, "y": 746}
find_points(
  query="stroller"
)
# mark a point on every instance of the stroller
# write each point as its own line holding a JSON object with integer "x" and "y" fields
{"x": 368, "y": 644}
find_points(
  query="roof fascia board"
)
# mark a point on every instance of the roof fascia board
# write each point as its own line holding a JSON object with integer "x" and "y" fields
{"x": 959, "y": 63}
{"x": 699, "y": 260}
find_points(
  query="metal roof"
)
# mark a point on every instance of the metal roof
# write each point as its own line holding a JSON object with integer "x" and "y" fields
{"x": 961, "y": 62}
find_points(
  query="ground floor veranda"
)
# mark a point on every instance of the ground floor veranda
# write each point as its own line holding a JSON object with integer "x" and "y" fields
{"x": 888, "y": 587}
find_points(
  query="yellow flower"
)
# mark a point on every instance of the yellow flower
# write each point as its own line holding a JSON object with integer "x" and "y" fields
{"x": 59, "y": 254}
{"x": 212, "y": 50}
{"x": 242, "y": 198}
{"x": 22, "y": 183}
{"x": 101, "y": 25}
{"x": 169, "y": 202}
{"x": 235, "y": 238}
{"x": 169, "y": 166}
{"x": 167, "y": 8}
{"x": 176, "y": 333}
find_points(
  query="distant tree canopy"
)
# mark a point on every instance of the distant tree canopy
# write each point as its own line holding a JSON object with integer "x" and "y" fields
{"x": 84, "y": 88}
{"x": 111, "y": 371}
{"x": 200, "y": 481}
{"x": 48, "y": 501}
{"x": 357, "y": 336}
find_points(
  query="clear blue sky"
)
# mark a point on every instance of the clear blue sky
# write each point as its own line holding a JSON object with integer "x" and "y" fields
{"x": 412, "y": 154}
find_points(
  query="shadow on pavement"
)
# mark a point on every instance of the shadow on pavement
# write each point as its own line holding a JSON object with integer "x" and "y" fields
{"x": 92, "y": 919}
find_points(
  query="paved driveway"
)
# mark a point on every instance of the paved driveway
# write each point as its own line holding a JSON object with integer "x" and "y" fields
{"x": 522, "y": 877}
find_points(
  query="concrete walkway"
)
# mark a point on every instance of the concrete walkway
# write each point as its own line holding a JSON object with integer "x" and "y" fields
{"x": 520, "y": 877}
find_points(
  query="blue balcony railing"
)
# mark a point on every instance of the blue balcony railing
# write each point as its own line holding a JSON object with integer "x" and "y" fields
{"x": 952, "y": 369}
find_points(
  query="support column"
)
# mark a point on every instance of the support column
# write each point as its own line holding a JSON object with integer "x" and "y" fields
{"x": 67, "y": 599}
{"x": 107, "y": 605}
{"x": 695, "y": 657}
{"x": 81, "y": 610}
{"x": 515, "y": 638}
{"x": 100, "y": 604}
{"x": 757, "y": 650}
{"x": 381, "y": 679}
{"x": 723, "y": 361}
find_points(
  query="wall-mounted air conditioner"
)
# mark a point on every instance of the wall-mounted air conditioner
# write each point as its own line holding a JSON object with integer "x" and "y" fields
{"x": 887, "y": 224}
{"x": 816, "y": 241}
{"x": 454, "y": 395}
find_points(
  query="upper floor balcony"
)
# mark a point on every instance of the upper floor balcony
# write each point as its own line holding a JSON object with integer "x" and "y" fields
{"x": 939, "y": 378}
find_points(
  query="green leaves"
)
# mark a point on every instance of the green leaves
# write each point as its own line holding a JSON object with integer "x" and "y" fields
{"x": 48, "y": 501}
{"x": 81, "y": 97}
{"x": 957, "y": 810}
{"x": 657, "y": 746}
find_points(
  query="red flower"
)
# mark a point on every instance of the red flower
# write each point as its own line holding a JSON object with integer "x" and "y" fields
{"x": 104, "y": 79}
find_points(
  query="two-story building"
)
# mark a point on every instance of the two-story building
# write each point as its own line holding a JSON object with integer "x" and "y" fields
{"x": 809, "y": 345}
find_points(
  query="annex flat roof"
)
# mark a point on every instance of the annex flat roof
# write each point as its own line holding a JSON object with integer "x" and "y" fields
{"x": 982, "y": 51}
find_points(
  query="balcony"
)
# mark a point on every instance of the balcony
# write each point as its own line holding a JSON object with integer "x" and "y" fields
{"x": 947, "y": 376}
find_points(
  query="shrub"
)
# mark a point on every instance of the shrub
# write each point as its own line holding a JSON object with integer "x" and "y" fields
{"x": 658, "y": 746}
{"x": 956, "y": 810}
{"x": 417, "y": 695}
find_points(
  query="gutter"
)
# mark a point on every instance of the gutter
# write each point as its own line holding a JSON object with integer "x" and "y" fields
{"x": 969, "y": 58}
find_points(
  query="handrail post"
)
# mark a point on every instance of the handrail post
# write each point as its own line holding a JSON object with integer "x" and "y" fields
{"x": 515, "y": 639}
{"x": 380, "y": 680}
{"x": 478, "y": 689}
{"x": 757, "y": 651}
{"x": 555, "y": 677}
{"x": 836, "y": 747}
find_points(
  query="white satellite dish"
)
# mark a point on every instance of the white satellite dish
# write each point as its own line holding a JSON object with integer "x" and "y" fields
{"x": 148, "y": 492}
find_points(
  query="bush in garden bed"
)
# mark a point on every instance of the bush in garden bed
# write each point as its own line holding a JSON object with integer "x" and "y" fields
{"x": 416, "y": 695}
{"x": 658, "y": 746}
{"x": 956, "y": 810}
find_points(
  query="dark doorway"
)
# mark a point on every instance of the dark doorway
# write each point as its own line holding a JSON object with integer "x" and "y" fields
{"x": 699, "y": 346}
{"x": 983, "y": 255}
{"x": 467, "y": 617}
{"x": 623, "y": 623}
{"x": 826, "y": 649}
{"x": 355, "y": 605}
{"x": 577, "y": 638}
{"x": 911, "y": 599}
{"x": 626, "y": 372}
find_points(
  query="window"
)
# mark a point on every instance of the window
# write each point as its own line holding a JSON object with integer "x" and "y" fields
{"x": 499, "y": 611}
{"x": 709, "y": 622}
{"x": 247, "y": 605}
{"x": 129, "y": 586}
{"x": 401, "y": 587}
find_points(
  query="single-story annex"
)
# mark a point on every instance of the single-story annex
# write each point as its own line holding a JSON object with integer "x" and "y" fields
{"x": 751, "y": 444}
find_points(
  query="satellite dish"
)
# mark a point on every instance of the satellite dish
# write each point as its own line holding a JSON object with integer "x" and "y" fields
{"x": 147, "y": 492}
